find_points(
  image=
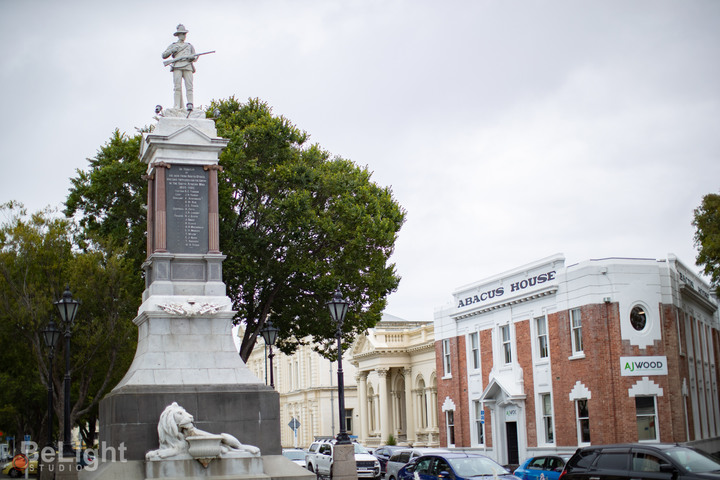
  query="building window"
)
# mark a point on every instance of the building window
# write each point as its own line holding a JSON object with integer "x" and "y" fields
{"x": 646, "y": 418}
{"x": 507, "y": 346}
{"x": 583, "y": 421}
{"x": 475, "y": 350}
{"x": 576, "y": 335}
{"x": 348, "y": 420}
{"x": 542, "y": 337}
{"x": 450, "y": 421}
{"x": 446, "y": 357}
{"x": 479, "y": 422}
{"x": 638, "y": 318}
{"x": 546, "y": 402}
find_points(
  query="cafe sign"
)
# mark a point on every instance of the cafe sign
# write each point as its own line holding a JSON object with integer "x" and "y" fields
{"x": 643, "y": 366}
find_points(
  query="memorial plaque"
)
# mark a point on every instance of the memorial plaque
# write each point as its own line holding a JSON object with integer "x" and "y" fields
{"x": 187, "y": 209}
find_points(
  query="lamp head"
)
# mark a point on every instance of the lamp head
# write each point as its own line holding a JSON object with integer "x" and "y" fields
{"x": 269, "y": 333}
{"x": 51, "y": 335}
{"x": 67, "y": 306}
{"x": 338, "y": 307}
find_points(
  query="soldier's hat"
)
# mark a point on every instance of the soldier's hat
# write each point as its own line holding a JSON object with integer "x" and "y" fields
{"x": 180, "y": 29}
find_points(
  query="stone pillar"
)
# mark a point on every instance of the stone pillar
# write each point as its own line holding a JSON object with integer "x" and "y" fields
{"x": 384, "y": 402}
{"x": 409, "y": 410}
{"x": 159, "y": 226}
{"x": 363, "y": 402}
{"x": 213, "y": 209}
{"x": 433, "y": 410}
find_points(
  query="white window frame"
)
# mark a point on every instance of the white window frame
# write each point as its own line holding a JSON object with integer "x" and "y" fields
{"x": 576, "y": 331}
{"x": 654, "y": 417}
{"x": 447, "y": 365}
{"x": 450, "y": 427}
{"x": 479, "y": 425}
{"x": 506, "y": 342}
{"x": 547, "y": 419}
{"x": 542, "y": 337}
{"x": 579, "y": 420}
{"x": 474, "y": 342}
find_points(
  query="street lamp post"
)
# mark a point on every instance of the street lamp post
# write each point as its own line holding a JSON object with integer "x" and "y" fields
{"x": 338, "y": 309}
{"x": 50, "y": 335}
{"x": 67, "y": 306}
{"x": 269, "y": 334}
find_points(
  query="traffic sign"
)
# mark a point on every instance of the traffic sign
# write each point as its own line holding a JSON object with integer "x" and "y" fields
{"x": 294, "y": 424}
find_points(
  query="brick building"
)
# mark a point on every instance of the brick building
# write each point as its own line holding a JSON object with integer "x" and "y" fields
{"x": 548, "y": 357}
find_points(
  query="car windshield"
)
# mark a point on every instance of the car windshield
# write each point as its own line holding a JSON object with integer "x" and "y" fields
{"x": 475, "y": 466}
{"x": 294, "y": 454}
{"x": 360, "y": 449}
{"x": 694, "y": 461}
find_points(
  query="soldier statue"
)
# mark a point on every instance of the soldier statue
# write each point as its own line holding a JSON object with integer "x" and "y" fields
{"x": 182, "y": 65}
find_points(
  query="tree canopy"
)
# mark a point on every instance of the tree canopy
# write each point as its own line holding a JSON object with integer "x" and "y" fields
{"x": 707, "y": 237}
{"x": 295, "y": 224}
{"x": 38, "y": 259}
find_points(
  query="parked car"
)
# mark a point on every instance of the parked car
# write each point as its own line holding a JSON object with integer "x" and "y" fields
{"x": 15, "y": 468}
{"x": 641, "y": 461}
{"x": 320, "y": 457}
{"x": 403, "y": 456}
{"x": 543, "y": 467}
{"x": 297, "y": 455}
{"x": 384, "y": 453}
{"x": 458, "y": 466}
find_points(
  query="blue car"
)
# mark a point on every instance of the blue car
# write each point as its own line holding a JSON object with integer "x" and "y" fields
{"x": 458, "y": 466}
{"x": 546, "y": 467}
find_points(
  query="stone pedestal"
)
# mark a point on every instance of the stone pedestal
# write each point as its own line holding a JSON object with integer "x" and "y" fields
{"x": 344, "y": 467}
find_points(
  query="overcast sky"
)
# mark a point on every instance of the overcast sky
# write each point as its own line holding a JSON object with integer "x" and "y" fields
{"x": 508, "y": 130}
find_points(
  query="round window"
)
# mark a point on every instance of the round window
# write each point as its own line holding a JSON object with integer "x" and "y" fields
{"x": 638, "y": 318}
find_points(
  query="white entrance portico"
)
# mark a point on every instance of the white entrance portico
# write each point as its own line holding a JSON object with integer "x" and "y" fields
{"x": 397, "y": 389}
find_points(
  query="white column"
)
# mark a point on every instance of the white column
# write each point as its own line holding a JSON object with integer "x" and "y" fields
{"x": 409, "y": 410}
{"x": 384, "y": 402}
{"x": 363, "y": 402}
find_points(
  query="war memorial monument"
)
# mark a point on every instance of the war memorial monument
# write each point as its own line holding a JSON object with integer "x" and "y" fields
{"x": 188, "y": 407}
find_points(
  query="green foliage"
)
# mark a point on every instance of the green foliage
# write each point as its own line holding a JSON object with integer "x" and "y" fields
{"x": 296, "y": 224}
{"x": 110, "y": 199}
{"x": 37, "y": 261}
{"x": 707, "y": 237}
{"x": 391, "y": 440}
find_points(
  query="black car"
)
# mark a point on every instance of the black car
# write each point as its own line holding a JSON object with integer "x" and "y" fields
{"x": 640, "y": 461}
{"x": 383, "y": 454}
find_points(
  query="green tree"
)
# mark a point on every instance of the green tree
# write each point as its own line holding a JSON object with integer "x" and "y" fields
{"x": 707, "y": 237}
{"x": 37, "y": 259}
{"x": 295, "y": 223}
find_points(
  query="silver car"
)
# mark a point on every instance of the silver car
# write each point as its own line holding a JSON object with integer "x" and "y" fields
{"x": 401, "y": 458}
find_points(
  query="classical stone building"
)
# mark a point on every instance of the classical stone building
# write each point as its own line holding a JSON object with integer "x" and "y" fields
{"x": 390, "y": 387}
{"x": 397, "y": 385}
{"x": 548, "y": 357}
{"x": 307, "y": 384}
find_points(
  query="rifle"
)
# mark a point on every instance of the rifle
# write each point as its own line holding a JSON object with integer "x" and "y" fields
{"x": 173, "y": 60}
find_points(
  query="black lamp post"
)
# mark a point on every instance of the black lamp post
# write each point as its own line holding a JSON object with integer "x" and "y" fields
{"x": 338, "y": 309}
{"x": 67, "y": 306}
{"x": 50, "y": 335}
{"x": 269, "y": 334}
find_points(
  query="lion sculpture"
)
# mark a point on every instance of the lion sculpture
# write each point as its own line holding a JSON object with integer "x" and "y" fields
{"x": 176, "y": 424}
